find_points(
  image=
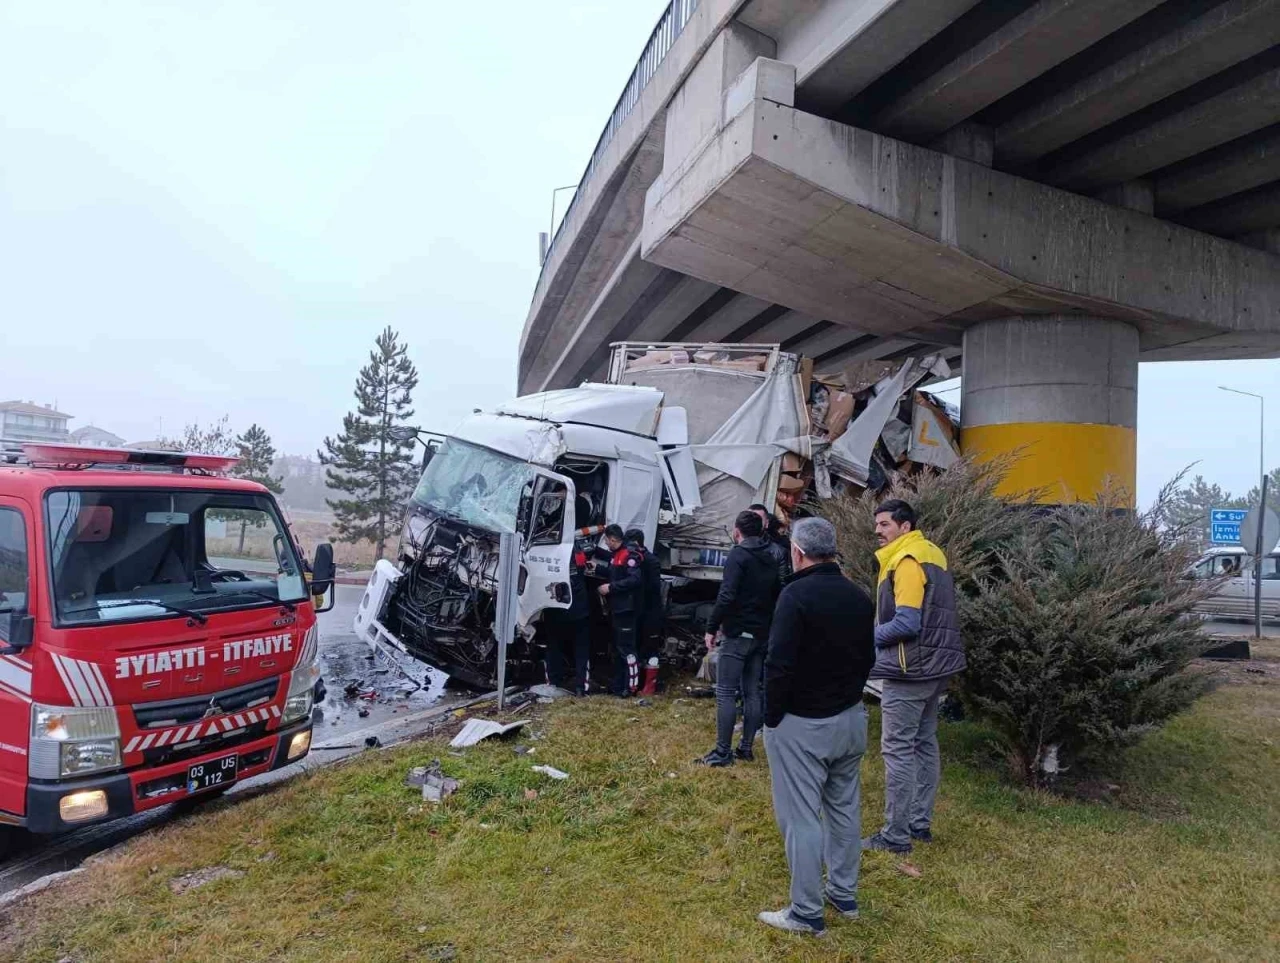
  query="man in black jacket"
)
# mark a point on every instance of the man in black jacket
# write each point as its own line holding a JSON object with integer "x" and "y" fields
{"x": 568, "y": 632}
{"x": 821, "y": 650}
{"x": 744, "y": 608}
{"x": 625, "y": 593}
{"x": 779, "y": 544}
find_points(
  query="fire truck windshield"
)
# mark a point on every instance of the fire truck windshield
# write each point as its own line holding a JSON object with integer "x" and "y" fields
{"x": 121, "y": 554}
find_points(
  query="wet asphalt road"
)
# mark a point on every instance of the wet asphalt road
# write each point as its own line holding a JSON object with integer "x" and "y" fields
{"x": 398, "y": 702}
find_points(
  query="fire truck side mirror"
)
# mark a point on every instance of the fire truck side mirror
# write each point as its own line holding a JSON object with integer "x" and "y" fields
{"x": 19, "y": 632}
{"x": 322, "y": 569}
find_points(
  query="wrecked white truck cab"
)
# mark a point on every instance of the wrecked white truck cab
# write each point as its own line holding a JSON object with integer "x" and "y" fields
{"x": 679, "y": 441}
{"x": 554, "y": 468}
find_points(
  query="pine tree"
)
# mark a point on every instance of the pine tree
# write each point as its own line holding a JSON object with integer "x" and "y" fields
{"x": 256, "y": 457}
{"x": 364, "y": 462}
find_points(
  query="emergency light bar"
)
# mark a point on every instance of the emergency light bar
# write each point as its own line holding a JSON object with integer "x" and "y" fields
{"x": 82, "y": 456}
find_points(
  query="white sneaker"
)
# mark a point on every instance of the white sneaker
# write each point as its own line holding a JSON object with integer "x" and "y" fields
{"x": 783, "y": 920}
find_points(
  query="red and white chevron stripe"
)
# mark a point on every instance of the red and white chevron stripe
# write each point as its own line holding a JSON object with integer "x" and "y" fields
{"x": 201, "y": 729}
{"x": 15, "y": 676}
{"x": 84, "y": 681}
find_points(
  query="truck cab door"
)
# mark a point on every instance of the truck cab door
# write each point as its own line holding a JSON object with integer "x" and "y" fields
{"x": 546, "y": 524}
{"x": 680, "y": 476}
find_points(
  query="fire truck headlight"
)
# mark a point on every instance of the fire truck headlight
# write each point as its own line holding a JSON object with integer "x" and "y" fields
{"x": 299, "y": 744}
{"x": 297, "y": 707}
{"x": 72, "y": 741}
{"x": 82, "y": 805}
{"x": 79, "y": 758}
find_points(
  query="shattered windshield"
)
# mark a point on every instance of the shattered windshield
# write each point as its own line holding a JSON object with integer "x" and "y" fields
{"x": 474, "y": 485}
{"x": 122, "y": 553}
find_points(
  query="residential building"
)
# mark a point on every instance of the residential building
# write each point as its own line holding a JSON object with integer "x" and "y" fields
{"x": 96, "y": 437}
{"x": 27, "y": 421}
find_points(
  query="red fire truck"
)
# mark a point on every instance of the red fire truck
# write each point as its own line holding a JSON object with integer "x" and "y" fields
{"x": 158, "y": 635}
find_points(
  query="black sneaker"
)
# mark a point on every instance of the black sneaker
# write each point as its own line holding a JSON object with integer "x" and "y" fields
{"x": 878, "y": 843}
{"x": 848, "y": 908}
{"x": 922, "y": 835}
{"x": 715, "y": 759}
{"x": 743, "y": 754}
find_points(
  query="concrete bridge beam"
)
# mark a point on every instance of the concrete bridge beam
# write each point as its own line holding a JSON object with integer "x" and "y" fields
{"x": 1060, "y": 392}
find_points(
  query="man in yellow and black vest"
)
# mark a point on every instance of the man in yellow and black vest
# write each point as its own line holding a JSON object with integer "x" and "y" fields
{"x": 918, "y": 650}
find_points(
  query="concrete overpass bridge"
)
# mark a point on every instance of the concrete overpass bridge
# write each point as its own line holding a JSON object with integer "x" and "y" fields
{"x": 1048, "y": 190}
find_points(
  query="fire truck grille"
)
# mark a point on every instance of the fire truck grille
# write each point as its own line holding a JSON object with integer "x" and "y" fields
{"x": 177, "y": 712}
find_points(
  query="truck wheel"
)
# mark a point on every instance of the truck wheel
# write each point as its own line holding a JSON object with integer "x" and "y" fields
{"x": 12, "y": 839}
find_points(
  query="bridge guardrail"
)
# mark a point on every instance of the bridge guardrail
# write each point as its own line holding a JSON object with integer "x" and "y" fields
{"x": 670, "y": 25}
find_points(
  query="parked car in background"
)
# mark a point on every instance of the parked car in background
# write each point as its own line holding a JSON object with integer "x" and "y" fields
{"x": 1235, "y": 595}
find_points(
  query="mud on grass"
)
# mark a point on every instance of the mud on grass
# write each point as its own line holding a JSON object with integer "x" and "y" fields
{"x": 640, "y": 855}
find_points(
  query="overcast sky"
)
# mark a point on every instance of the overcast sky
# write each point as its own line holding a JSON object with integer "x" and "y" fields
{"x": 214, "y": 208}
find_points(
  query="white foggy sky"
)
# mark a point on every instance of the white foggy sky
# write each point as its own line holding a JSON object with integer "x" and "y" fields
{"x": 210, "y": 209}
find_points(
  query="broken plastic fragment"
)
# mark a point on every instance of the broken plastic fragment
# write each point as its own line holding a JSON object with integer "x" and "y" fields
{"x": 551, "y": 771}
{"x": 478, "y": 729}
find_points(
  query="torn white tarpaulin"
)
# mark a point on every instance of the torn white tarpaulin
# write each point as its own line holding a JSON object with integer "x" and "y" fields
{"x": 850, "y": 454}
{"x": 772, "y": 421}
{"x": 478, "y": 729}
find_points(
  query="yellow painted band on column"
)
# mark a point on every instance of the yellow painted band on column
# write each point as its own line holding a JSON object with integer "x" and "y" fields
{"x": 1070, "y": 462}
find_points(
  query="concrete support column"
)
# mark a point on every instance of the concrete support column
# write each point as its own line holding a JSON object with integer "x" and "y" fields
{"x": 1063, "y": 391}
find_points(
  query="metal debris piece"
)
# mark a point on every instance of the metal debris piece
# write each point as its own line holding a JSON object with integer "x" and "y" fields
{"x": 373, "y": 742}
{"x": 363, "y": 713}
{"x": 550, "y": 692}
{"x": 416, "y": 776}
{"x": 477, "y": 729}
{"x": 643, "y": 703}
{"x": 551, "y": 771}
{"x": 436, "y": 785}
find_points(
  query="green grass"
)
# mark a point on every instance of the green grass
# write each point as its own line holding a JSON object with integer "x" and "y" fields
{"x": 626, "y": 862}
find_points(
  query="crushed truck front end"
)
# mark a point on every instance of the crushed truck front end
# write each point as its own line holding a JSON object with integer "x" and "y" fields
{"x": 160, "y": 641}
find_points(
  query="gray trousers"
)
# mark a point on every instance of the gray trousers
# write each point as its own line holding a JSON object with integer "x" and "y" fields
{"x": 741, "y": 666}
{"x": 815, "y": 768}
{"x": 909, "y": 744}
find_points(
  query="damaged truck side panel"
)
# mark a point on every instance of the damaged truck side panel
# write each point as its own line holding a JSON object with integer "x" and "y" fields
{"x": 680, "y": 439}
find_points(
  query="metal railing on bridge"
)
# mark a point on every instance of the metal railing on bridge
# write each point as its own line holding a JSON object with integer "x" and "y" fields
{"x": 670, "y": 25}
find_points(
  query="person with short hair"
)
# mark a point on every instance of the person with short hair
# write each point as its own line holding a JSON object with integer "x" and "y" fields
{"x": 779, "y": 544}
{"x": 918, "y": 650}
{"x": 649, "y": 641}
{"x": 821, "y": 649}
{"x": 744, "y": 608}
{"x": 625, "y": 594}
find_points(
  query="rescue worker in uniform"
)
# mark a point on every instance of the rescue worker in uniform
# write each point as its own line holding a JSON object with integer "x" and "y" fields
{"x": 625, "y": 594}
{"x": 651, "y": 619}
{"x": 569, "y": 632}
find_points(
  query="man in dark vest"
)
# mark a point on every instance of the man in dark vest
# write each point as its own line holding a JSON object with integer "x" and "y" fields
{"x": 918, "y": 650}
{"x": 569, "y": 632}
{"x": 625, "y": 594}
{"x": 651, "y": 620}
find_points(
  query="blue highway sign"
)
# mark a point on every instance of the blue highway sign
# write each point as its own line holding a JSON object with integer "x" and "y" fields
{"x": 1224, "y": 525}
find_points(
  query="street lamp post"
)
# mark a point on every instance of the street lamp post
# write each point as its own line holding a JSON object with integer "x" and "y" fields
{"x": 1258, "y": 549}
{"x": 1262, "y": 426}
